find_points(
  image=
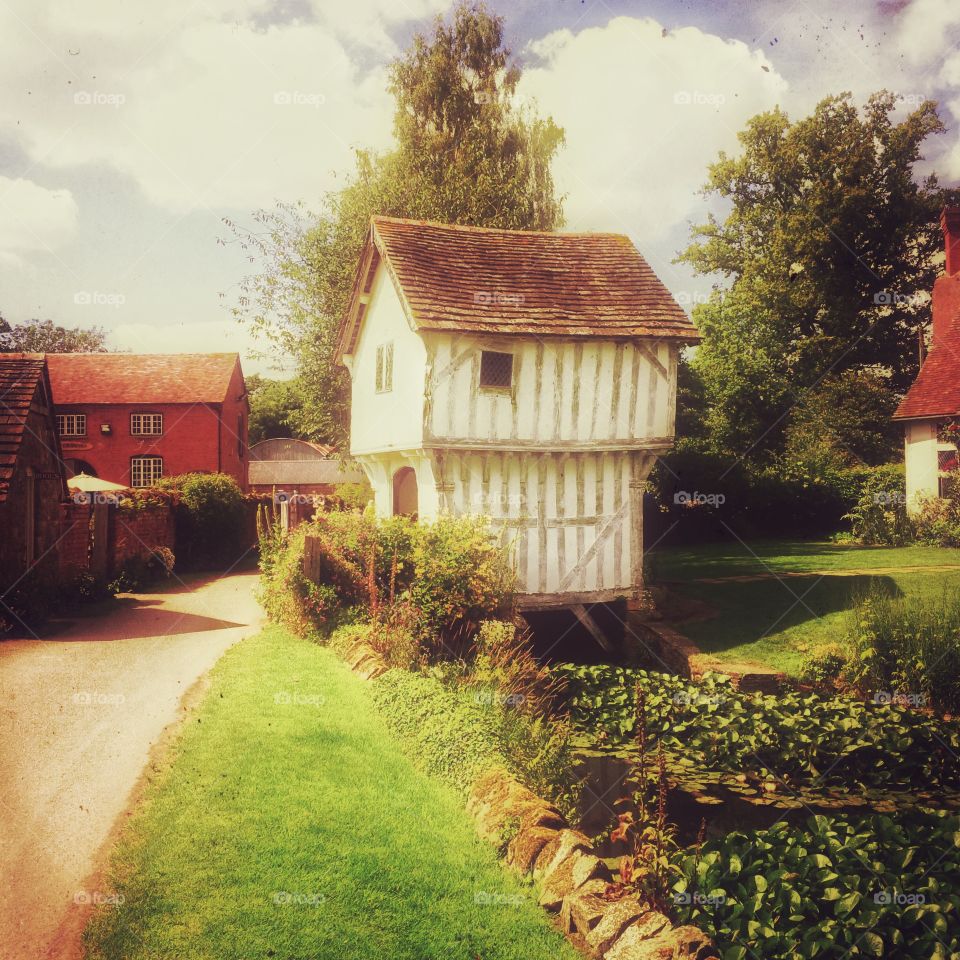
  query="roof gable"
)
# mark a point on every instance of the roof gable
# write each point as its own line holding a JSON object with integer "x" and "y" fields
{"x": 936, "y": 391}
{"x": 22, "y": 377}
{"x": 82, "y": 378}
{"x": 514, "y": 282}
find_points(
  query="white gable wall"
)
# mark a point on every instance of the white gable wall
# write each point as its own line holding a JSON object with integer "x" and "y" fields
{"x": 392, "y": 420}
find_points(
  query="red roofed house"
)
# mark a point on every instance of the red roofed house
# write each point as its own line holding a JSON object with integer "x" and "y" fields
{"x": 529, "y": 377}
{"x": 930, "y": 411}
{"x": 132, "y": 419}
{"x": 32, "y": 483}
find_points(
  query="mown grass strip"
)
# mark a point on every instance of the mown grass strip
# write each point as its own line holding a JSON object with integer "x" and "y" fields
{"x": 289, "y": 824}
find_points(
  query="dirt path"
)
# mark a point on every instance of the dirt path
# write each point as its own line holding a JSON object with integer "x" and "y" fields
{"x": 79, "y": 713}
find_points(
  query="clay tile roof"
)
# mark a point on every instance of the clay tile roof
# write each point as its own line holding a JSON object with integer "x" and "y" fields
{"x": 936, "y": 391}
{"x": 82, "y": 378}
{"x": 20, "y": 374}
{"x": 479, "y": 280}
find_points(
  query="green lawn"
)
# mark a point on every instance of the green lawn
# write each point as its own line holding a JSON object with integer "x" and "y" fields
{"x": 773, "y": 621}
{"x": 288, "y": 824}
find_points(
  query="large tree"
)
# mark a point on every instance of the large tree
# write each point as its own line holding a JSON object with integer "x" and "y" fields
{"x": 44, "y": 336}
{"x": 827, "y": 255}
{"x": 465, "y": 153}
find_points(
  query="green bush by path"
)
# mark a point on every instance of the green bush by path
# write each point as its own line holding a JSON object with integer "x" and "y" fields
{"x": 288, "y": 823}
{"x": 829, "y": 890}
{"x": 804, "y": 738}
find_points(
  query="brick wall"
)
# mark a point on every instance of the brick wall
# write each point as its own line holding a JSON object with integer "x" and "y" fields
{"x": 73, "y": 548}
{"x": 137, "y": 533}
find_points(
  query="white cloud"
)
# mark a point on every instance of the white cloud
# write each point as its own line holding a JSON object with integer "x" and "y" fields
{"x": 644, "y": 111}
{"x": 33, "y": 218}
{"x": 213, "y": 108}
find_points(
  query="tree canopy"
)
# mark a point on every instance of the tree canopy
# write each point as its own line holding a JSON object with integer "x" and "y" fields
{"x": 44, "y": 336}
{"x": 465, "y": 153}
{"x": 826, "y": 259}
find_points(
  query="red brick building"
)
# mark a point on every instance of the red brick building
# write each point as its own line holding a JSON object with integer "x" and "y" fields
{"x": 133, "y": 418}
{"x": 32, "y": 485}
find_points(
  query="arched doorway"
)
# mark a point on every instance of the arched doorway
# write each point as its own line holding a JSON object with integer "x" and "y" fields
{"x": 74, "y": 467}
{"x": 405, "y": 493}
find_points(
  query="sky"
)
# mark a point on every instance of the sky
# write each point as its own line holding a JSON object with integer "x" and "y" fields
{"x": 130, "y": 131}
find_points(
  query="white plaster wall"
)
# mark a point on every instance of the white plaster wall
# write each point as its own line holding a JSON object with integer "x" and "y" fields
{"x": 392, "y": 420}
{"x": 920, "y": 454}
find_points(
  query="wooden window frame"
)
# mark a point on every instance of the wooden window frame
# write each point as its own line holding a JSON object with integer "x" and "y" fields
{"x": 80, "y": 419}
{"x": 141, "y": 418}
{"x": 137, "y": 462}
{"x": 497, "y": 356}
{"x": 383, "y": 374}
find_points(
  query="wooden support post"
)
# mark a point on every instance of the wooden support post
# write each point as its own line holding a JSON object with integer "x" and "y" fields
{"x": 583, "y": 615}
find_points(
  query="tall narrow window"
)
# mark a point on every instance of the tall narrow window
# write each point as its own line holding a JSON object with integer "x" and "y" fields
{"x": 496, "y": 369}
{"x": 145, "y": 471}
{"x": 385, "y": 368}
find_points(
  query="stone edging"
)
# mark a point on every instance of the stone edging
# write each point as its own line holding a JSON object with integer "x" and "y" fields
{"x": 571, "y": 877}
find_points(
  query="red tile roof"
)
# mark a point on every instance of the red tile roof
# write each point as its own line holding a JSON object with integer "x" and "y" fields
{"x": 20, "y": 375}
{"x": 936, "y": 391}
{"x": 479, "y": 280}
{"x": 82, "y": 378}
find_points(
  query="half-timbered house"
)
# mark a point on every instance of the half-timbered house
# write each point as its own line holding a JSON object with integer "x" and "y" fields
{"x": 529, "y": 377}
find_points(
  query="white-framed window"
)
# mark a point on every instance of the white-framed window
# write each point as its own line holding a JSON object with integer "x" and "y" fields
{"x": 385, "y": 367}
{"x": 146, "y": 424}
{"x": 496, "y": 369}
{"x": 72, "y": 424}
{"x": 145, "y": 471}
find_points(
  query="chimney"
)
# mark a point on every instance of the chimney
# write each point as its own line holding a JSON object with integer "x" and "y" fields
{"x": 946, "y": 289}
{"x": 950, "y": 221}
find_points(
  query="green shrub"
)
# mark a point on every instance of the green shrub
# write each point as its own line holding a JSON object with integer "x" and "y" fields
{"x": 907, "y": 647}
{"x": 879, "y": 516}
{"x": 804, "y": 738}
{"x": 457, "y": 735}
{"x": 210, "y": 517}
{"x": 824, "y": 665}
{"x": 937, "y": 522}
{"x": 828, "y": 890}
{"x": 353, "y": 496}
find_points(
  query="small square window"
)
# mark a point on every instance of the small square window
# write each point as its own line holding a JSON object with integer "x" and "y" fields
{"x": 145, "y": 471}
{"x": 384, "y": 368}
{"x": 496, "y": 369}
{"x": 146, "y": 424}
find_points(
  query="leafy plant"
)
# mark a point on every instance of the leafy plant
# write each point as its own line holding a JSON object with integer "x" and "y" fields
{"x": 790, "y": 738}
